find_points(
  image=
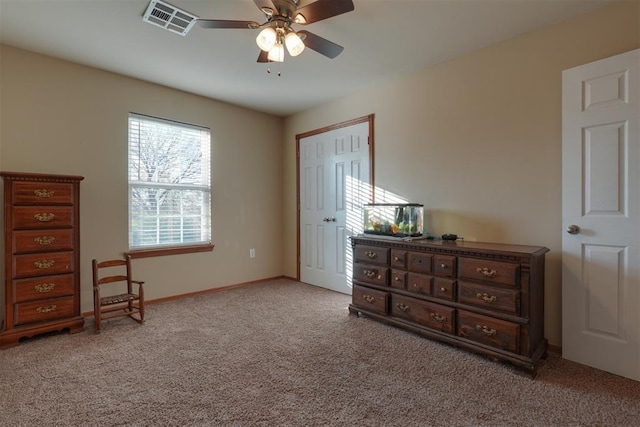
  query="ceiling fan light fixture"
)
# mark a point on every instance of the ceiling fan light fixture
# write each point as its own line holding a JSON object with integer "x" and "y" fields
{"x": 266, "y": 39}
{"x": 276, "y": 54}
{"x": 294, "y": 43}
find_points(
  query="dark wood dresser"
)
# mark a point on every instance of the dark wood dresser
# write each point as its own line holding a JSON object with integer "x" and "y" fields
{"x": 488, "y": 298}
{"x": 42, "y": 255}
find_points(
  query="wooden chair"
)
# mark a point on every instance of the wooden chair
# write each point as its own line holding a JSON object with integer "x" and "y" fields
{"x": 109, "y": 279}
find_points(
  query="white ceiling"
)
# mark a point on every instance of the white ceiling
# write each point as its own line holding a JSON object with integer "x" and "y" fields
{"x": 382, "y": 39}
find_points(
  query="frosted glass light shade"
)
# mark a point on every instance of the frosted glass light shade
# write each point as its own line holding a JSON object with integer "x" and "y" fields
{"x": 294, "y": 43}
{"x": 266, "y": 39}
{"x": 276, "y": 54}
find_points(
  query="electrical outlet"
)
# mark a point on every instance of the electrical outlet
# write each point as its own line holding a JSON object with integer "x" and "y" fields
{"x": 252, "y": 253}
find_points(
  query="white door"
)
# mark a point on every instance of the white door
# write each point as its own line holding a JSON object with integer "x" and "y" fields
{"x": 601, "y": 215}
{"x": 334, "y": 184}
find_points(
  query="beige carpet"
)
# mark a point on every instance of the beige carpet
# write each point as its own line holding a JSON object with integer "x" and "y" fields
{"x": 288, "y": 354}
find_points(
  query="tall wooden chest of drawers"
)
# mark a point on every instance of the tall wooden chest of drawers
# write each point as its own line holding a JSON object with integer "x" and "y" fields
{"x": 42, "y": 255}
{"x": 488, "y": 298}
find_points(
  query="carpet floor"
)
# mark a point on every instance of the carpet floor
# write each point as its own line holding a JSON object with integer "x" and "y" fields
{"x": 282, "y": 353}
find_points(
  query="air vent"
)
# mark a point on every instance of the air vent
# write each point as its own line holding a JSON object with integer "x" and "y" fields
{"x": 169, "y": 17}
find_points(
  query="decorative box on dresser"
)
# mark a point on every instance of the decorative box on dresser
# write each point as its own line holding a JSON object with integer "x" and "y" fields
{"x": 484, "y": 297}
{"x": 42, "y": 254}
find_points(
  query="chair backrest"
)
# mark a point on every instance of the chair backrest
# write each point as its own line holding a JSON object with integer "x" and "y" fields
{"x": 111, "y": 271}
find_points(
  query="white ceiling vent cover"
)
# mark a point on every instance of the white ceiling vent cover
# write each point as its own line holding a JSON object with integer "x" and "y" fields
{"x": 169, "y": 17}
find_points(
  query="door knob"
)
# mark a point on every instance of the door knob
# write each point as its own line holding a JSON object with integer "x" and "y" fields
{"x": 573, "y": 229}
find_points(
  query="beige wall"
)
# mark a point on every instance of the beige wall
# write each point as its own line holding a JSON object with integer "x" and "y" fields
{"x": 59, "y": 117}
{"x": 478, "y": 139}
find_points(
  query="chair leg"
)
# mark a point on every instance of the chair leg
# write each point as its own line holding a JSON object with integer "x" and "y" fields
{"x": 97, "y": 322}
{"x": 96, "y": 311}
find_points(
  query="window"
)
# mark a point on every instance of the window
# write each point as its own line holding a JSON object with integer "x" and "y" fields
{"x": 169, "y": 184}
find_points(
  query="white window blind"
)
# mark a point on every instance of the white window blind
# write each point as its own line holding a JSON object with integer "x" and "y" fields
{"x": 169, "y": 183}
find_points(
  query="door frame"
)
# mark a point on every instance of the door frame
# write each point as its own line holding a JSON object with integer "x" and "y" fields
{"x": 369, "y": 118}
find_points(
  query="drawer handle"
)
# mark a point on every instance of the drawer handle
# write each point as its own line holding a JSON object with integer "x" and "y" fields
{"x": 368, "y": 298}
{"x": 371, "y": 273}
{"x": 397, "y": 279}
{"x": 443, "y": 266}
{"x": 486, "y": 330}
{"x": 402, "y": 306}
{"x": 44, "y": 194}
{"x": 443, "y": 289}
{"x": 486, "y": 297}
{"x": 486, "y": 272}
{"x": 46, "y": 309}
{"x": 45, "y": 263}
{"x": 44, "y": 240}
{"x": 45, "y": 287}
{"x": 44, "y": 217}
{"x": 371, "y": 254}
{"x": 438, "y": 317}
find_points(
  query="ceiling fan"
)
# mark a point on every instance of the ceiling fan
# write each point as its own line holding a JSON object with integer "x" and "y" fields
{"x": 278, "y": 33}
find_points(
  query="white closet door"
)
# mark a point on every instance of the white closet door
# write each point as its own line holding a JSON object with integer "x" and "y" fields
{"x": 601, "y": 215}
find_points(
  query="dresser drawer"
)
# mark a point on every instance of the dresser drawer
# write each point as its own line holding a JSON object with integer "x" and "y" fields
{"x": 42, "y": 193}
{"x": 398, "y": 279}
{"x": 444, "y": 288}
{"x": 419, "y": 283}
{"x": 399, "y": 259}
{"x": 486, "y": 330}
{"x": 489, "y": 297}
{"x": 419, "y": 262}
{"x": 372, "y": 255}
{"x": 42, "y": 240}
{"x": 424, "y": 313}
{"x": 42, "y": 287}
{"x": 47, "y": 309}
{"x": 43, "y": 264}
{"x": 375, "y": 274}
{"x": 489, "y": 271}
{"x": 370, "y": 299}
{"x": 444, "y": 265}
{"x": 42, "y": 217}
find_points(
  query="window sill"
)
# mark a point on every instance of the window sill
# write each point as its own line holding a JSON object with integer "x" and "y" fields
{"x": 176, "y": 250}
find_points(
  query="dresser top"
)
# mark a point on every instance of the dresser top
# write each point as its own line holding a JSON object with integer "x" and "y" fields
{"x": 453, "y": 246}
{"x": 38, "y": 177}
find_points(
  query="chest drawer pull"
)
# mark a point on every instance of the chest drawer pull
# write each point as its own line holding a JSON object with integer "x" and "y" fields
{"x": 486, "y": 330}
{"x": 44, "y": 217}
{"x": 368, "y": 298}
{"x": 45, "y": 263}
{"x": 438, "y": 317}
{"x": 46, "y": 309}
{"x": 402, "y": 306}
{"x": 372, "y": 273}
{"x": 44, "y": 240}
{"x": 43, "y": 194}
{"x": 44, "y": 287}
{"x": 371, "y": 254}
{"x": 486, "y": 297}
{"x": 486, "y": 272}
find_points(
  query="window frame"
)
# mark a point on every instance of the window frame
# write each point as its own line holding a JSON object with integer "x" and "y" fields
{"x": 168, "y": 249}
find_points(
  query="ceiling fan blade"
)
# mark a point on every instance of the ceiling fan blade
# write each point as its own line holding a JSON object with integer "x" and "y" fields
{"x": 321, "y": 45}
{"x": 221, "y": 23}
{"x": 266, "y": 4}
{"x": 263, "y": 56}
{"x": 322, "y": 9}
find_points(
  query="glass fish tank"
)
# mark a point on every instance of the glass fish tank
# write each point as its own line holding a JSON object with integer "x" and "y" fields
{"x": 389, "y": 219}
